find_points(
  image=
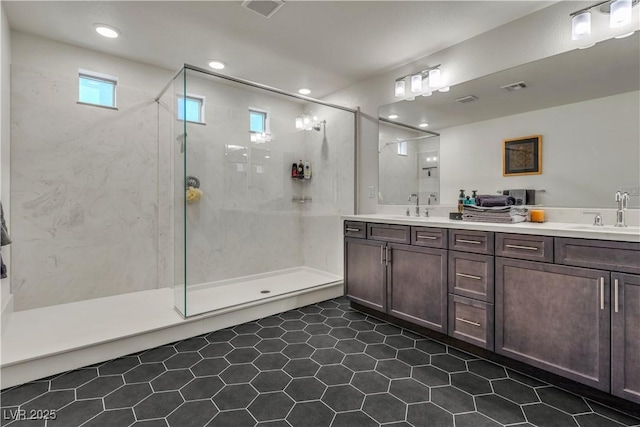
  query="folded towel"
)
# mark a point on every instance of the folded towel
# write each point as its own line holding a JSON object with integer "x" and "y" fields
{"x": 488, "y": 200}
{"x": 501, "y": 214}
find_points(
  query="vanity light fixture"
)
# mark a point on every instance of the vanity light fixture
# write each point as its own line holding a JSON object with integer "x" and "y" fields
{"x": 620, "y": 12}
{"x": 107, "y": 31}
{"x": 581, "y": 25}
{"x": 216, "y": 64}
{"x": 308, "y": 122}
{"x": 420, "y": 83}
{"x": 400, "y": 88}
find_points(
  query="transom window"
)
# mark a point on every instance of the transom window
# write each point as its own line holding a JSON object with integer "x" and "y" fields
{"x": 258, "y": 121}
{"x": 97, "y": 89}
{"x": 402, "y": 148}
{"x": 191, "y": 108}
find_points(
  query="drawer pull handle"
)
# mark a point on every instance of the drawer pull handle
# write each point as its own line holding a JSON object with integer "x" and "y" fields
{"x": 382, "y": 252}
{"x": 469, "y": 276}
{"x": 602, "y": 293}
{"x": 354, "y": 230}
{"x": 528, "y": 248}
{"x": 473, "y": 242}
{"x": 468, "y": 321}
{"x": 615, "y": 294}
{"x": 426, "y": 237}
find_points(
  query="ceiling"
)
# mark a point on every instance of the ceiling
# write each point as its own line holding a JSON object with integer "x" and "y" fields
{"x": 608, "y": 68}
{"x": 322, "y": 45}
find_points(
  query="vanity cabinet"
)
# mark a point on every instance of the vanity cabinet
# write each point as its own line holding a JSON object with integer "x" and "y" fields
{"x": 365, "y": 272}
{"x": 625, "y": 337}
{"x": 554, "y": 317}
{"x": 569, "y": 306}
{"x": 417, "y": 290}
{"x": 385, "y": 272}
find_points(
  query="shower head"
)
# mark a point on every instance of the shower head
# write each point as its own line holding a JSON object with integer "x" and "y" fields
{"x": 317, "y": 126}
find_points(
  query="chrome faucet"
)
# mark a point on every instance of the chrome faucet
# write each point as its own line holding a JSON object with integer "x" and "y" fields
{"x": 623, "y": 202}
{"x": 417, "y": 202}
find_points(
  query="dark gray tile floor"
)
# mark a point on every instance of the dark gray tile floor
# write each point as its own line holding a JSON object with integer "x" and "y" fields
{"x": 321, "y": 365}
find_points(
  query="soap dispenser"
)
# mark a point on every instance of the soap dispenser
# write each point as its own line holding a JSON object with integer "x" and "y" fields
{"x": 461, "y": 199}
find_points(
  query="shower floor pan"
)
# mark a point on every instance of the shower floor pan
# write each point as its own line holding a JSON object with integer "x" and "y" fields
{"x": 213, "y": 296}
{"x": 45, "y": 341}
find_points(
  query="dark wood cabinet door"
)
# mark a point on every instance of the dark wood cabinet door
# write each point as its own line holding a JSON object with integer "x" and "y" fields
{"x": 365, "y": 272}
{"x": 554, "y": 317}
{"x": 417, "y": 285}
{"x": 625, "y": 337}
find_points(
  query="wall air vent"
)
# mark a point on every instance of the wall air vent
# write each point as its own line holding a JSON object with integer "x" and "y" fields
{"x": 468, "y": 98}
{"x": 514, "y": 86}
{"x": 265, "y": 8}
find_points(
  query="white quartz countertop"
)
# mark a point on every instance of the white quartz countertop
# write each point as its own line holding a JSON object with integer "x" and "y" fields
{"x": 556, "y": 229}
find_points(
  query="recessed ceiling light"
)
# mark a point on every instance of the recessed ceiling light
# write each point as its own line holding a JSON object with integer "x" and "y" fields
{"x": 393, "y": 116}
{"x": 304, "y": 91}
{"x": 107, "y": 31}
{"x": 216, "y": 64}
{"x": 424, "y": 125}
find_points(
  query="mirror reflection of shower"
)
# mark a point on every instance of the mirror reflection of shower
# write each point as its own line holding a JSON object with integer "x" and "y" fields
{"x": 310, "y": 122}
{"x": 401, "y": 140}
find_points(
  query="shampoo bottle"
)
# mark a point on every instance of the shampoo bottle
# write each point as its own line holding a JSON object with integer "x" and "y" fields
{"x": 294, "y": 170}
{"x": 300, "y": 170}
{"x": 307, "y": 170}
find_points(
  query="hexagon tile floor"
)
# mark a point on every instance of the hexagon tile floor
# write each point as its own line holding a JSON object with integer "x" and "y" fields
{"x": 321, "y": 365}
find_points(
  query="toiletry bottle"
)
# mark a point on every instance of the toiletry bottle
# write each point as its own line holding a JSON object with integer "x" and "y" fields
{"x": 294, "y": 170}
{"x": 300, "y": 170}
{"x": 461, "y": 198}
{"x": 307, "y": 170}
{"x": 473, "y": 197}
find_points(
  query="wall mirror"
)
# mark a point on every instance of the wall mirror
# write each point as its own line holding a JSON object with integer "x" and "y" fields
{"x": 583, "y": 102}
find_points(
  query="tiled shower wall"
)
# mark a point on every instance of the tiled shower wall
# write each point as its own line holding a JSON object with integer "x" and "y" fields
{"x": 85, "y": 214}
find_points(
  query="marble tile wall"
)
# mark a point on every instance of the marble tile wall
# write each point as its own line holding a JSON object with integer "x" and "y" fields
{"x": 84, "y": 194}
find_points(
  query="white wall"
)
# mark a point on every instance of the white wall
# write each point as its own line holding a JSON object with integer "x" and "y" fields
{"x": 590, "y": 147}
{"x": 5, "y": 154}
{"x": 398, "y": 174}
{"x": 538, "y": 35}
{"x": 84, "y": 179}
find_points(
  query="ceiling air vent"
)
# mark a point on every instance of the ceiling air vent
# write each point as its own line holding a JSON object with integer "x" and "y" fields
{"x": 514, "y": 86}
{"x": 468, "y": 98}
{"x": 265, "y": 8}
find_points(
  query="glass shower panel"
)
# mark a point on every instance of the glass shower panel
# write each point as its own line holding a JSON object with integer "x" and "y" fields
{"x": 253, "y": 232}
{"x": 179, "y": 167}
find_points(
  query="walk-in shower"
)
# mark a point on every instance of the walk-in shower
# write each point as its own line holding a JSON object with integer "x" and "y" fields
{"x": 246, "y": 228}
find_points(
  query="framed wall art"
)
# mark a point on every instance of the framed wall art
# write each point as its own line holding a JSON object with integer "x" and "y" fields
{"x": 522, "y": 156}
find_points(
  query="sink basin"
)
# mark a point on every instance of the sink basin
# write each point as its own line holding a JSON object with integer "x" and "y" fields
{"x": 607, "y": 228}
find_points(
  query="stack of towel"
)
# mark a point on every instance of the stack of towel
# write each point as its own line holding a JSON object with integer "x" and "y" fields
{"x": 500, "y": 214}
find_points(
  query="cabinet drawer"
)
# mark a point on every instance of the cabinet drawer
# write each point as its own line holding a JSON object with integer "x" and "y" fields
{"x": 389, "y": 233}
{"x": 471, "y": 275}
{"x": 429, "y": 237}
{"x": 532, "y": 248}
{"x": 480, "y": 242}
{"x": 604, "y": 255}
{"x": 355, "y": 229}
{"x": 471, "y": 321}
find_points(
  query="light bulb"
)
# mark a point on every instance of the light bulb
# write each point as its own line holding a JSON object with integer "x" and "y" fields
{"x": 416, "y": 83}
{"x": 620, "y": 13}
{"x": 581, "y": 25}
{"x": 400, "y": 88}
{"x": 434, "y": 78}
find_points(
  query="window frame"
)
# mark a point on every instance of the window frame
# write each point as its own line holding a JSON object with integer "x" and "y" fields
{"x": 100, "y": 77}
{"x": 201, "y": 99}
{"x": 267, "y": 119}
